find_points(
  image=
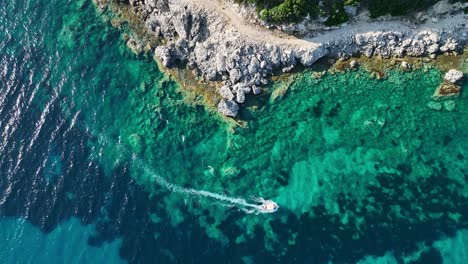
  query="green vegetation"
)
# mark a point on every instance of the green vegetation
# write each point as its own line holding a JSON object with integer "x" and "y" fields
{"x": 289, "y": 11}
{"x": 397, "y": 7}
{"x": 335, "y": 12}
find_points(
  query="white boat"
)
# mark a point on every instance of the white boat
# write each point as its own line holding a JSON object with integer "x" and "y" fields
{"x": 268, "y": 206}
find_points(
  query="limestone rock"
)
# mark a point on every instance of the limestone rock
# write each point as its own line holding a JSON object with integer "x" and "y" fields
{"x": 256, "y": 90}
{"x": 240, "y": 96}
{"x": 234, "y": 75}
{"x": 446, "y": 90}
{"x": 173, "y": 54}
{"x": 226, "y": 93}
{"x": 202, "y": 40}
{"x": 453, "y": 76}
{"x": 450, "y": 45}
{"x": 228, "y": 108}
{"x": 405, "y": 65}
{"x": 221, "y": 63}
{"x": 433, "y": 48}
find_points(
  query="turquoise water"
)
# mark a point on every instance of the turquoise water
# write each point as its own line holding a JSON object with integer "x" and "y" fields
{"x": 363, "y": 170}
{"x": 67, "y": 243}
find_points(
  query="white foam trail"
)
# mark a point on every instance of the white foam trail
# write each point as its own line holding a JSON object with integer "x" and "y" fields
{"x": 239, "y": 202}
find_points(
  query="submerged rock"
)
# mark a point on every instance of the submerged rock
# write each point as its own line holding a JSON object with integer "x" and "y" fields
{"x": 453, "y": 76}
{"x": 446, "y": 90}
{"x": 449, "y": 105}
{"x": 136, "y": 142}
{"x": 434, "y": 105}
{"x": 202, "y": 40}
{"x": 449, "y": 88}
{"x": 228, "y": 108}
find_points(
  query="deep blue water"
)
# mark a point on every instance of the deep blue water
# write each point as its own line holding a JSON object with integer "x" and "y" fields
{"x": 70, "y": 91}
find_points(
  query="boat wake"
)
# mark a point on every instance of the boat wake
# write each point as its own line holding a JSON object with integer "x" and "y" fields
{"x": 256, "y": 206}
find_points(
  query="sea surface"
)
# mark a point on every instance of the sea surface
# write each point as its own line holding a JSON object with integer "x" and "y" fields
{"x": 106, "y": 159}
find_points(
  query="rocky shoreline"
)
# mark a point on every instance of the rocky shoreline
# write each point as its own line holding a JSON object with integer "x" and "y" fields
{"x": 205, "y": 40}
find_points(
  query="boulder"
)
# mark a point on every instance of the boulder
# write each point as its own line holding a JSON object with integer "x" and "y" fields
{"x": 164, "y": 54}
{"x": 182, "y": 23}
{"x": 405, "y": 65}
{"x": 450, "y": 45}
{"x": 240, "y": 96}
{"x": 226, "y": 93}
{"x": 433, "y": 48}
{"x": 234, "y": 75}
{"x": 228, "y": 108}
{"x": 453, "y": 76}
{"x": 256, "y": 90}
{"x": 253, "y": 66}
{"x": 175, "y": 53}
{"x": 221, "y": 63}
{"x": 151, "y": 3}
{"x": 446, "y": 90}
{"x": 162, "y": 5}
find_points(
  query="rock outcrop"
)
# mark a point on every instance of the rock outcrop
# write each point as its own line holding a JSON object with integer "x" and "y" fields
{"x": 450, "y": 87}
{"x": 205, "y": 41}
{"x": 453, "y": 76}
{"x": 228, "y": 108}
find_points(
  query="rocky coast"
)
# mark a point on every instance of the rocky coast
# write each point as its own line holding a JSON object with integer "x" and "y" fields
{"x": 218, "y": 43}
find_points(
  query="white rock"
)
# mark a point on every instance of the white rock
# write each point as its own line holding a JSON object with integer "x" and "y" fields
{"x": 442, "y": 7}
{"x": 433, "y": 48}
{"x": 226, "y": 93}
{"x": 221, "y": 63}
{"x": 240, "y": 96}
{"x": 453, "y": 76}
{"x": 228, "y": 108}
{"x": 449, "y": 46}
{"x": 234, "y": 75}
{"x": 256, "y": 89}
{"x": 405, "y": 65}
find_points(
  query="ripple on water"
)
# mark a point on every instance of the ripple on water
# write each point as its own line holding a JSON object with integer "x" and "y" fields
{"x": 359, "y": 167}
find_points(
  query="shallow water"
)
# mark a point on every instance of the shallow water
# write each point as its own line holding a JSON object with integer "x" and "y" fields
{"x": 363, "y": 169}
